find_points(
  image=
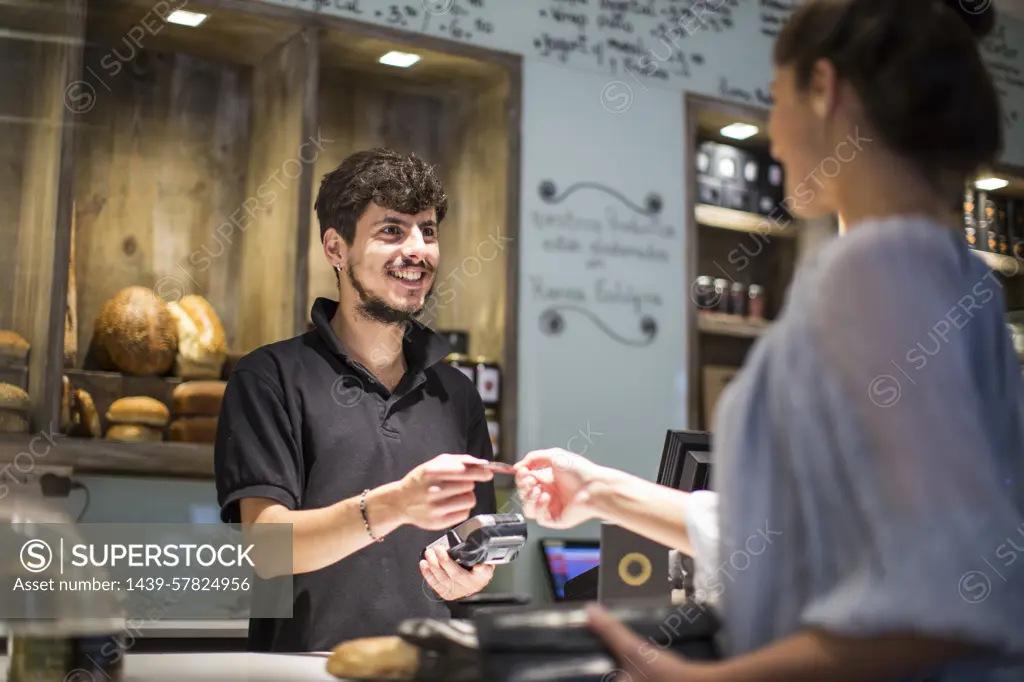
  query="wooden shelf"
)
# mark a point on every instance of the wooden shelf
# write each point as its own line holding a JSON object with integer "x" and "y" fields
{"x": 99, "y": 456}
{"x": 731, "y": 325}
{"x": 740, "y": 221}
{"x": 1008, "y": 266}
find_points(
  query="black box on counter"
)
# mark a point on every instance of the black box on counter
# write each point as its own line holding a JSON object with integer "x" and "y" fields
{"x": 771, "y": 188}
{"x": 736, "y": 178}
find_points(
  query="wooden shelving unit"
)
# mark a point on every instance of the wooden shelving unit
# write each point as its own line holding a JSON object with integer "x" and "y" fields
{"x": 741, "y": 221}
{"x": 733, "y": 245}
{"x": 104, "y": 457}
{"x": 1008, "y": 266}
{"x": 724, "y": 324}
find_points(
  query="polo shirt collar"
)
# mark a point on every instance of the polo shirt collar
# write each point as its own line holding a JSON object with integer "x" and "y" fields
{"x": 422, "y": 346}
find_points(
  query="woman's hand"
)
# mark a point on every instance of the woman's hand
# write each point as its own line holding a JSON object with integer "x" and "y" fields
{"x": 638, "y": 659}
{"x": 556, "y": 487}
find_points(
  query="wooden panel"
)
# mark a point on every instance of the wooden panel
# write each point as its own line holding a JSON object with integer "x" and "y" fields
{"x": 284, "y": 148}
{"x": 240, "y": 38}
{"x": 98, "y": 456}
{"x": 358, "y": 114}
{"x": 474, "y": 251}
{"x": 43, "y": 240}
{"x": 160, "y": 175}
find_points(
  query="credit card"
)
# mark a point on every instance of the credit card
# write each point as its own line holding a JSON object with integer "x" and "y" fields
{"x": 496, "y": 467}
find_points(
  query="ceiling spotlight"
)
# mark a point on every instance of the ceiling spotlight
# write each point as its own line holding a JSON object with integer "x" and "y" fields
{"x": 401, "y": 59}
{"x": 739, "y": 131}
{"x": 990, "y": 184}
{"x": 185, "y": 18}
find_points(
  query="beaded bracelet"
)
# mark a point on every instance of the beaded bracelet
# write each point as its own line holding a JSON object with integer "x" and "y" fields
{"x": 366, "y": 521}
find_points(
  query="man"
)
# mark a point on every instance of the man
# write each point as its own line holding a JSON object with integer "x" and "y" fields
{"x": 357, "y": 433}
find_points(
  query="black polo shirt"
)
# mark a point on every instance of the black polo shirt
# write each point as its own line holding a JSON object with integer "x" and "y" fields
{"x": 305, "y": 425}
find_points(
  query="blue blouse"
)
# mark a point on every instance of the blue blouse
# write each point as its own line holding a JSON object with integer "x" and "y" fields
{"x": 869, "y": 457}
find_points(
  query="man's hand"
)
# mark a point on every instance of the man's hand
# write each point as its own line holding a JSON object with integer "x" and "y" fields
{"x": 451, "y": 581}
{"x": 438, "y": 494}
{"x": 555, "y": 486}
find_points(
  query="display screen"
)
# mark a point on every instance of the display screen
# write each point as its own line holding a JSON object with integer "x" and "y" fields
{"x": 565, "y": 563}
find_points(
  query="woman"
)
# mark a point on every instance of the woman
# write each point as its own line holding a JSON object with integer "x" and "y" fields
{"x": 877, "y": 431}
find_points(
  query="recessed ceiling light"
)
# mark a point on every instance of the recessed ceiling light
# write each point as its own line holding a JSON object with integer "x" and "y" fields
{"x": 990, "y": 184}
{"x": 402, "y": 59}
{"x": 185, "y": 18}
{"x": 739, "y": 131}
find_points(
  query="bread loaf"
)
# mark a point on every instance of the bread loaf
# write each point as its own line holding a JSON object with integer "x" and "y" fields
{"x": 202, "y": 345}
{"x": 374, "y": 658}
{"x": 137, "y": 332}
{"x": 14, "y": 398}
{"x": 138, "y": 410}
{"x": 193, "y": 430}
{"x": 134, "y": 433}
{"x": 85, "y": 416}
{"x": 12, "y": 421}
{"x": 197, "y": 398}
{"x": 13, "y": 348}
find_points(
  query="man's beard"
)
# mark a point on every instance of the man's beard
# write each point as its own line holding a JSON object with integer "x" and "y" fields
{"x": 376, "y": 309}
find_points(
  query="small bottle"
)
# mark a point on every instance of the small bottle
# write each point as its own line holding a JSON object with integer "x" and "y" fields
{"x": 738, "y": 294}
{"x": 755, "y": 305}
{"x": 722, "y": 295}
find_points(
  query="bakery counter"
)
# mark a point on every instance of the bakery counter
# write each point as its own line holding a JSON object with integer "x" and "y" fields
{"x": 214, "y": 667}
{"x": 107, "y": 457}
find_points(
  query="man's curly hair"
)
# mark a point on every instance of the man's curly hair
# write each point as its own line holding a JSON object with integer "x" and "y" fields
{"x": 383, "y": 176}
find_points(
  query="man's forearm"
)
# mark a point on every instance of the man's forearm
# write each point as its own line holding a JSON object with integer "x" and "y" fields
{"x": 814, "y": 656}
{"x": 321, "y": 537}
{"x": 654, "y": 511}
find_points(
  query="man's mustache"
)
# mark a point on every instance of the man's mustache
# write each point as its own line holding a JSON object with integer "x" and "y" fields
{"x": 413, "y": 264}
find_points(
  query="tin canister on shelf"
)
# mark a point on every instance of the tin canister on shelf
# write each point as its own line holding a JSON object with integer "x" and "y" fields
{"x": 755, "y": 302}
{"x": 722, "y": 295}
{"x": 463, "y": 364}
{"x": 738, "y": 296}
{"x": 488, "y": 381}
{"x": 704, "y": 293}
{"x": 494, "y": 428}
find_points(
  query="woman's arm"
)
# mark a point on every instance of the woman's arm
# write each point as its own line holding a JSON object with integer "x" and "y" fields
{"x": 808, "y": 656}
{"x": 654, "y": 511}
{"x": 812, "y": 656}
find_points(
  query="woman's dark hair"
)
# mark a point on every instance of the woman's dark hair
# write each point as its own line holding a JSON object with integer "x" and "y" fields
{"x": 383, "y": 176}
{"x": 918, "y": 71}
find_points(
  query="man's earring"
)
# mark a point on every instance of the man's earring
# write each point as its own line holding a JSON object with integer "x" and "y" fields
{"x": 337, "y": 266}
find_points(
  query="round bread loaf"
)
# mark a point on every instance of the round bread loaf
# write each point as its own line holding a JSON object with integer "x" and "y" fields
{"x": 134, "y": 433}
{"x": 13, "y": 422}
{"x": 202, "y": 345}
{"x": 137, "y": 332}
{"x": 194, "y": 430}
{"x": 138, "y": 410}
{"x": 14, "y": 398}
{"x": 197, "y": 398}
{"x": 13, "y": 346}
{"x": 85, "y": 416}
{"x": 374, "y": 658}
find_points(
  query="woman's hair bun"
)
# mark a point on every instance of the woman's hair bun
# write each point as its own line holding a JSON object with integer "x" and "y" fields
{"x": 979, "y": 15}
